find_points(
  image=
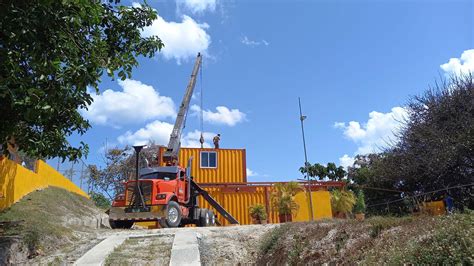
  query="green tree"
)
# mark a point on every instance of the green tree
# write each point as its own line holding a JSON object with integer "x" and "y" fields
{"x": 100, "y": 200}
{"x": 120, "y": 167}
{"x": 319, "y": 171}
{"x": 51, "y": 54}
{"x": 434, "y": 152}
{"x": 359, "y": 206}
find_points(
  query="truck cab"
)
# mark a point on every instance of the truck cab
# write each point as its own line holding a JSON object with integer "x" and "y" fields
{"x": 166, "y": 192}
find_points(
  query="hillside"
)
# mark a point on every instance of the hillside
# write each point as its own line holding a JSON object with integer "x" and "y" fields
{"x": 49, "y": 225}
{"x": 446, "y": 240}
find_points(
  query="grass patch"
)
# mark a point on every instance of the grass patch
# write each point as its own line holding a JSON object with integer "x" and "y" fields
{"x": 449, "y": 242}
{"x": 41, "y": 214}
{"x": 423, "y": 240}
{"x": 380, "y": 223}
{"x": 297, "y": 247}
{"x": 142, "y": 251}
{"x": 270, "y": 239}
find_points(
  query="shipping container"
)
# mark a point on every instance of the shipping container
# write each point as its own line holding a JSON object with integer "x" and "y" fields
{"x": 214, "y": 165}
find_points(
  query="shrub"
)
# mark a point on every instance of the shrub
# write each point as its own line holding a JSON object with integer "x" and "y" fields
{"x": 258, "y": 212}
{"x": 270, "y": 239}
{"x": 283, "y": 198}
{"x": 342, "y": 201}
{"x": 359, "y": 206}
{"x": 100, "y": 200}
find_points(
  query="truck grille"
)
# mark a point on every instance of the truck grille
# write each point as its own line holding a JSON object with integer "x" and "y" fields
{"x": 146, "y": 188}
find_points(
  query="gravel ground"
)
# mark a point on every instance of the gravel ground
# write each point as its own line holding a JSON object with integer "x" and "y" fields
{"x": 230, "y": 245}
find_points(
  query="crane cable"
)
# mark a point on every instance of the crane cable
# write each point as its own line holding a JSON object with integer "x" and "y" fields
{"x": 201, "y": 140}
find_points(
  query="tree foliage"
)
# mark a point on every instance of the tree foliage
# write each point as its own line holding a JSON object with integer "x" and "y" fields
{"x": 52, "y": 53}
{"x": 435, "y": 150}
{"x": 119, "y": 168}
{"x": 319, "y": 171}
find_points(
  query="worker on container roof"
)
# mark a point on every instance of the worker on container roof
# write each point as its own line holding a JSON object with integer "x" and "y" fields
{"x": 216, "y": 141}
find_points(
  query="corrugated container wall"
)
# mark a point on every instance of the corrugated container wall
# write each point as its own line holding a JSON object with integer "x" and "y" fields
{"x": 238, "y": 202}
{"x": 230, "y": 166}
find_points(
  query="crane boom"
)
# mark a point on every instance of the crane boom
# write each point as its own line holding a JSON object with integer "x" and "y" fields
{"x": 171, "y": 154}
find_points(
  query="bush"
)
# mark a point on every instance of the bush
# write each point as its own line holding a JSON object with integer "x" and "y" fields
{"x": 342, "y": 201}
{"x": 100, "y": 200}
{"x": 258, "y": 212}
{"x": 270, "y": 239}
{"x": 283, "y": 198}
{"x": 359, "y": 206}
{"x": 451, "y": 243}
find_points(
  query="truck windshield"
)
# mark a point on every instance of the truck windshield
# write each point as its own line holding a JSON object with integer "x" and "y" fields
{"x": 159, "y": 175}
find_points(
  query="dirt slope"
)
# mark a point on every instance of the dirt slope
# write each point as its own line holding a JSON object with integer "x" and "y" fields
{"x": 49, "y": 225}
{"x": 379, "y": 240}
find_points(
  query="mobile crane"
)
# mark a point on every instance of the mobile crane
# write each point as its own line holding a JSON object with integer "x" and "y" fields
{"x": 166, "y": 193}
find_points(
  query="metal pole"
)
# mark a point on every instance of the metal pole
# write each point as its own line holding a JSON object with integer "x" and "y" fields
{"x": 137, "y": 180}
{"x": 302, "y": 118}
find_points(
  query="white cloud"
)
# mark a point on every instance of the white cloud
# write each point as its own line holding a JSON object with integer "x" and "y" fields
{"x": 223, "y": 116}
{"x": 160, "y": 132}
{"x": 459, "y": 66}
{"x": 196, "y": 6}
{"x": 245, "y": 40}
{"x": 137, "y": 102}
{"x": 377, "y": 132}
{"x": 251, "y": 173}
{"x": 191, "y": 139}
{"x": 346, "y": 161}
{"x": 157, "y": 131}
{"x": 183, "y": 40}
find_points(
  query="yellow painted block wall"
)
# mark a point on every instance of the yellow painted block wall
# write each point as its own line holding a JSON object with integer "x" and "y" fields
{"x": 321, "y": 206}
{"x": 17, "y": 181}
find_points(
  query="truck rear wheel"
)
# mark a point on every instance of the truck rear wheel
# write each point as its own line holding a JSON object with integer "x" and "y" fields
{"x": 173, "y": 215}
{"x": 204, "y": 218}
{"x": 120, "y": 224}
{"x": 213, "y": 218}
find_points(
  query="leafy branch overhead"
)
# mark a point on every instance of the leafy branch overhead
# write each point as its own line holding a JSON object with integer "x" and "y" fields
{"x": 53, "y": 56}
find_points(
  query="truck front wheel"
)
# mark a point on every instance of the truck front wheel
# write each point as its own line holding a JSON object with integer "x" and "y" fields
{"x": 173, "y": 214}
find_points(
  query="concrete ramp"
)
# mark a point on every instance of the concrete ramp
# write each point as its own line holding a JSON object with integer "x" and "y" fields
{"x": 185, "y": 249}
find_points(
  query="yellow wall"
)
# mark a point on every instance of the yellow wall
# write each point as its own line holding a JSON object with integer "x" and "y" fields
{"x": 321, "y": 206}
{"x": 17, "y": 181}
{"x": 231, "y": 165}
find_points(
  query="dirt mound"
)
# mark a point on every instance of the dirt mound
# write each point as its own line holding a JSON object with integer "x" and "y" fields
{"x": 379, "y": 240}
{"x": 47, "y": 224}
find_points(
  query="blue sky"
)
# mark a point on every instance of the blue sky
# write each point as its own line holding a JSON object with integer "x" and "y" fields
{"x": 353, "y": 63}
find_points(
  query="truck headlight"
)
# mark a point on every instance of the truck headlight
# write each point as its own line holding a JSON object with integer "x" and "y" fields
{"x": 161, "y": 196}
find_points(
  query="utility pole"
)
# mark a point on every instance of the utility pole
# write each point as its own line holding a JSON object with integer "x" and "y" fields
{"x": 302, "y": 118}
